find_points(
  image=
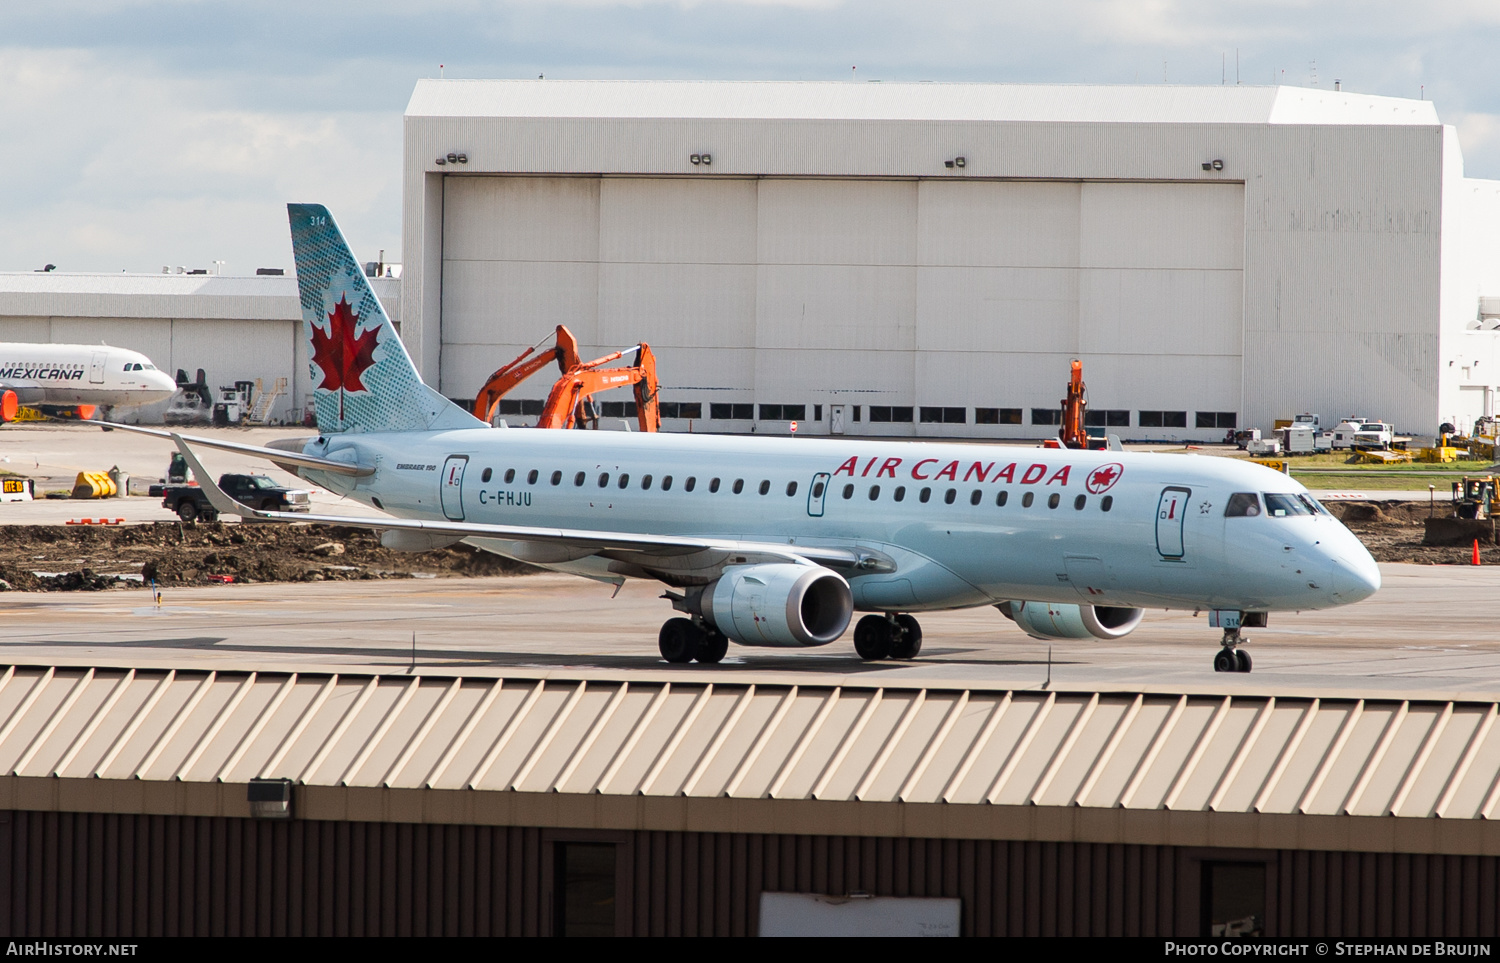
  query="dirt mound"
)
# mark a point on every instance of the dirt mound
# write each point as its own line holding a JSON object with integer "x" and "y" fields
{"x": 1394, "y": 531}
{"x": 90, "y": 558}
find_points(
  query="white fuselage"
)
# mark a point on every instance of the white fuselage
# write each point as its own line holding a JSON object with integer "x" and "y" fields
{"x": 965, "y": 524}
{"x": 81, "y": 374}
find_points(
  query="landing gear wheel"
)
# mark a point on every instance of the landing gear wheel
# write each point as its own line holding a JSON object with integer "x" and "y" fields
{"x": 909, "y": 642}
{"x": 1241, "y": 660}
{"x": 679, "y": 640}
{"x": 1224, "y": 661}
{"x": 872, "y": 638}
{"x": 712, "y": 647}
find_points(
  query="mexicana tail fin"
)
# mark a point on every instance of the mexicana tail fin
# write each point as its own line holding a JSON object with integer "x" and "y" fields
{"x": 363, "y": 379}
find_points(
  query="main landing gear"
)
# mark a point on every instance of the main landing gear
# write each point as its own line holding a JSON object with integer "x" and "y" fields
{"x": 1230, "y": 657}
{"x": 888, "y": 636}
{"x": 683, "y": 640}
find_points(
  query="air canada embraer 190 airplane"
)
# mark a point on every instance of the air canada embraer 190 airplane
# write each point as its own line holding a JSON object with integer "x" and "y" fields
{"x": 778, "y": 542}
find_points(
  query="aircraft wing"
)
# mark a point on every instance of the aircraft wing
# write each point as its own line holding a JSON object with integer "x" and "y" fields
{"x": 613, "y": 544}
{"x": 276, "y": 455}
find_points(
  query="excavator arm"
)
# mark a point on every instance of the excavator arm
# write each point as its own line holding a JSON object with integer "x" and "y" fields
{"x": 526, "y": 364}
{"x": 565, "y": 405}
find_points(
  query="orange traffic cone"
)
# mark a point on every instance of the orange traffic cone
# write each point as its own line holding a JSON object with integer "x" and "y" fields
{"x": 1476, "y": 551}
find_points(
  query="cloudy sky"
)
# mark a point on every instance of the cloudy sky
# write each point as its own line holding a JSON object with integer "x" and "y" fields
{"x": 138, "y": 133}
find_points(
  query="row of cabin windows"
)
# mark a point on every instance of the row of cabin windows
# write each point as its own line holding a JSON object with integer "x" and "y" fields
{"x": 764, "y": 488}
{"x": 899, "y": 414}
{"x": 623, "y": 481}
{"x": 977, "y": 495}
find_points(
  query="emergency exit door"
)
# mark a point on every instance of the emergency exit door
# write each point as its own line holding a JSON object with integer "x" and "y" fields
{"x": 1170, "y": 511}
{"x": 817, "y": 494}
{"x": 453, "y": 486}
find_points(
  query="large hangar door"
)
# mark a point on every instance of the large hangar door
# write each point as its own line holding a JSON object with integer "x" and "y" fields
{"x": 520, "y": 256}
{"x": 1161, "y": 295}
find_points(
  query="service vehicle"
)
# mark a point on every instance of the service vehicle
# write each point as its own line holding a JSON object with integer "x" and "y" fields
{"x": 256, "y": 491}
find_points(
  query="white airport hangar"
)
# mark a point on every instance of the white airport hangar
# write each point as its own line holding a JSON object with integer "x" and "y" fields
{"x": 925, "y": 259}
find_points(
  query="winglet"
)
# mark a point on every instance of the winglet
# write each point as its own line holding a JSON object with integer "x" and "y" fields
{"x": 216, "y": 497}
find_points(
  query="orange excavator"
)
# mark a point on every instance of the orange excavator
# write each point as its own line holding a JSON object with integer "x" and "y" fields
{"x": 1073, "y": 434}
{"x": 571, "y": 401}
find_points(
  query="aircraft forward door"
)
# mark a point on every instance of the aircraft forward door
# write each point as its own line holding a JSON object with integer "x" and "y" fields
{"x": 1169, "y": 518}
{"x": 453, "y": 487}
{"x": 96, "y": 367}
{"x": 817, "y": 493}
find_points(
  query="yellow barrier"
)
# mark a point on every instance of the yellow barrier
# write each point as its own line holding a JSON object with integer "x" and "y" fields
{"x": 94, "y": 484}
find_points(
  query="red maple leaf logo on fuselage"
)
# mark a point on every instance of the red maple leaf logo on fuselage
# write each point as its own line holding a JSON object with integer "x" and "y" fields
{"x": 341, "y": 355}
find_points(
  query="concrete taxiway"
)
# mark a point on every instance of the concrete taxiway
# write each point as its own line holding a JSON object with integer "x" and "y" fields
{"x": 1427, "y": 634}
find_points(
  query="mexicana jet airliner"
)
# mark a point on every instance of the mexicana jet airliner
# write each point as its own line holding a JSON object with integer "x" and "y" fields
{"x": 780, "y": 541}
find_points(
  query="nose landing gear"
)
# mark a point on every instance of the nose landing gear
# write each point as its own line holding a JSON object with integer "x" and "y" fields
{"x": 1231, "y": 658}
{"x": 888, "y": 636}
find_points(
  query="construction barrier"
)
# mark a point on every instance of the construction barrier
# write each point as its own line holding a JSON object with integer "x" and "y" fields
{"x": 95, "y": 521}
{"x": 94, "y": 484}
{"x": 17, "y": 489}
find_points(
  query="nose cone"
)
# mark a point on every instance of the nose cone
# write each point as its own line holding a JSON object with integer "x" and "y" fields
{"x": 1355, "y": 576}
{"x": 161, "y": 383}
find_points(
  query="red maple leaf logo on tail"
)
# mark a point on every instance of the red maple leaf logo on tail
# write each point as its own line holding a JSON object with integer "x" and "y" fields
{"x": 342, "y": 355}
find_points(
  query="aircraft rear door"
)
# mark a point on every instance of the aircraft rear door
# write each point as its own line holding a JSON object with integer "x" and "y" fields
{"x": 1169, "y": 518}
{"x": 96, "y": 367}
{"x": 453, "y": 486}
{"x": 816, "y": 494}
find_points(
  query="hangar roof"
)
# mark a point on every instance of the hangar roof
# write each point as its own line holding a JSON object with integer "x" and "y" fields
{"x": 1059, "y": 103}
{"x": 193, "y": 296}
{"x": 1095, "y": 750}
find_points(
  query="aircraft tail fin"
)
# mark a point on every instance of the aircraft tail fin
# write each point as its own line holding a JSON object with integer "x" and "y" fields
{"x": 363, "y": 379}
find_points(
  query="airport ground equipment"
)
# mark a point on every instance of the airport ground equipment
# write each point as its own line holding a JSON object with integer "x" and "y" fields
{"x": 257, "y": 491}
{"x": 570, "y": 403}
{"x": 94, "y": 484}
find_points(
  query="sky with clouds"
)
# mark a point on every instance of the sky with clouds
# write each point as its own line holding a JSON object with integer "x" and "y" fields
{"x": 138, "y": 133}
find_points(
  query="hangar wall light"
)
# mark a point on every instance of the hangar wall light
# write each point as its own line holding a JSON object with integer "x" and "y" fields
{"x": 702, "y": 159}
{"x": 955, "y": 162}
{"x": 1213, "y": 165}
{"x": 453, "y": 158}
{"x": 270, "y": 798}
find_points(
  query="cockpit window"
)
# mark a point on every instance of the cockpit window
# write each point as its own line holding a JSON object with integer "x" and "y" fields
{"x": 1312, "y": 504}
{"x": 1242, "y": 504}
{"x": 1281, "y": 506}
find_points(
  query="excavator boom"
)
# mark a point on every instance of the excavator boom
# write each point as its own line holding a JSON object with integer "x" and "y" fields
{"x": 526, "y": 364}
{"x": 570, "y": 403}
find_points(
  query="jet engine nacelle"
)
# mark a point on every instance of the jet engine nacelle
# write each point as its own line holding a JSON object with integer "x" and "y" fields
{"x": 1061, "y": 620}
{"x": 778, "y": 604}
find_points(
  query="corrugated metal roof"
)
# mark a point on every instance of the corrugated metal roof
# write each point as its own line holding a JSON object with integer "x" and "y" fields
{"x": 1184, "y": 752}
{"x": 1061, "y": 103}
{"x": 195, "y": 296}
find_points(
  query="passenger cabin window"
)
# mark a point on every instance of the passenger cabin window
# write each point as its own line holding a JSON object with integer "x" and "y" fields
{"x": 531, "y": 477}
{"x": 1053, "y": 500}
{"x": 1079, "y": 502}
{"x": 578, "y": 479}
{"x": 666, "y": 483}
{"x": 923, "y": 495}
{"x": 848, "y": 491}
{"x": 510, "y": 475}
{"x": 1001, "y": 497}
{"x": 645, "y": 482}
{"x": 713, "y": 485}
{"x": 556, "y": 477}
{"x": 975, "y": 497}
{"x": 1280, "y": 506}
{"x": 1242, "y": 504}
{"x": 487, "y": 474}
{"x": 874, "y": 492}
{"x": 739, "y": 485}
{"x": 900, "y": 493}
{"x": 688, "y": 485}
{"x": 949, "y": 495}
{"x": 624, "y": 479}
{"x": 1027, "y": 499}
{"x": 1106, "y": 503}
{"x": 603, "y": 479}
{"x": 791, "y": 489}
{"x": 817, "y": 491}
{"x": 765, "y": 488}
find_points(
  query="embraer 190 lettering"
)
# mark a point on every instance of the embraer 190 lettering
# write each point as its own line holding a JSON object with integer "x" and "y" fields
{"x": 779, "y": 542}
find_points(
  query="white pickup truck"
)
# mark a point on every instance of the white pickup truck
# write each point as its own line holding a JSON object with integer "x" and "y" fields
{"x": 1362, "y": 433}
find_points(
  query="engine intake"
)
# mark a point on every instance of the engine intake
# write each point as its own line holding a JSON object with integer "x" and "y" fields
{"x": 1062, "y": 620}
{"x": 777, "y": 604}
